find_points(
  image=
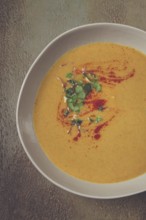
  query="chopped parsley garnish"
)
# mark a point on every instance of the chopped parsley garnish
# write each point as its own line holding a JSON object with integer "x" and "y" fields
{"x": 95, "y": 120}
{"x": 69, "y": 75}
{"x": 72, "y": 81}
{"x": 69, "y": 92}
{"x": 90, "y": 76}
{"x": 97, "y": 86}
{"x": 76, "y": 122}
{"x": 91, "y": 120}
{"x": 98, "y": 119}
{"x": 87, "y": 88}
{"x": 76, "y": 89}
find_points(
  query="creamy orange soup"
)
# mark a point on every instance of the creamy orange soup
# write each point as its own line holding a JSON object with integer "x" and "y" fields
{"x": 90, "y": 113}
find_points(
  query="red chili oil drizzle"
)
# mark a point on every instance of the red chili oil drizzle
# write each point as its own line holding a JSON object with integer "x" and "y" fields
{"x": 61, "y": 117}
{"x": 112, "y": 79}
{"x": 94, "y": 102}
{"x": 98, "y": 129}
{"x": 76, "y": 138}
{"x": 108, "y": 75}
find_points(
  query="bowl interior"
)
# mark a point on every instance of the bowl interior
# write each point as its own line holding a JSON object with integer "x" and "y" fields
{"x": 115, "y": 33}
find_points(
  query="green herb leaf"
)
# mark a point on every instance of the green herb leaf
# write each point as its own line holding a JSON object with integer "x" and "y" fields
{"x": 98, "y": 119}
{"x": 70, "y": 105}
{"x": 87, "y": 88}
{"x": 95, "y": 120}
{"x": 69, "y": 92}
{"x": 91, "y": 77}
{"x": 77, "y": 108}
{"x": 91, "y": 120}
{"x": 82, "y": 95}
{"x": 74, "y": 98}
{"x": 72, "y": 81}
{"x": 69, "y": 100}
{"x": 97, "y": 86}
{"x": 80, "y": 103}
{"x": 69, "y": 75}
{"x": 78, "y": 89}
{"x": 74, "y": 107}
{"x": 80, "y": 83}
{"x": 76, "y": 122}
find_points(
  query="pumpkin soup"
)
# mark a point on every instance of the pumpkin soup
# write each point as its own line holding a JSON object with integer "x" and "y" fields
{"x": 90, "y": 113}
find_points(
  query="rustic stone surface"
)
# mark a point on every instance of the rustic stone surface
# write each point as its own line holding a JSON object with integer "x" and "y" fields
{"x": 26, "y": 26}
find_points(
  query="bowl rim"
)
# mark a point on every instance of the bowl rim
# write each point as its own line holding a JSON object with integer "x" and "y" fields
{"x": 19, "y": 98}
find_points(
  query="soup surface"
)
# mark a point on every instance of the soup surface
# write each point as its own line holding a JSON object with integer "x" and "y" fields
{"x": 90, "y": 113}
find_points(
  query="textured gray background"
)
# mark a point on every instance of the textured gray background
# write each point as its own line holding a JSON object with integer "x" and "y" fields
{"x": 26, "y": 26}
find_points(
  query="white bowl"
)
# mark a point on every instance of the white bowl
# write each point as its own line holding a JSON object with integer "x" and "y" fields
{"x": 101, "y": 32}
